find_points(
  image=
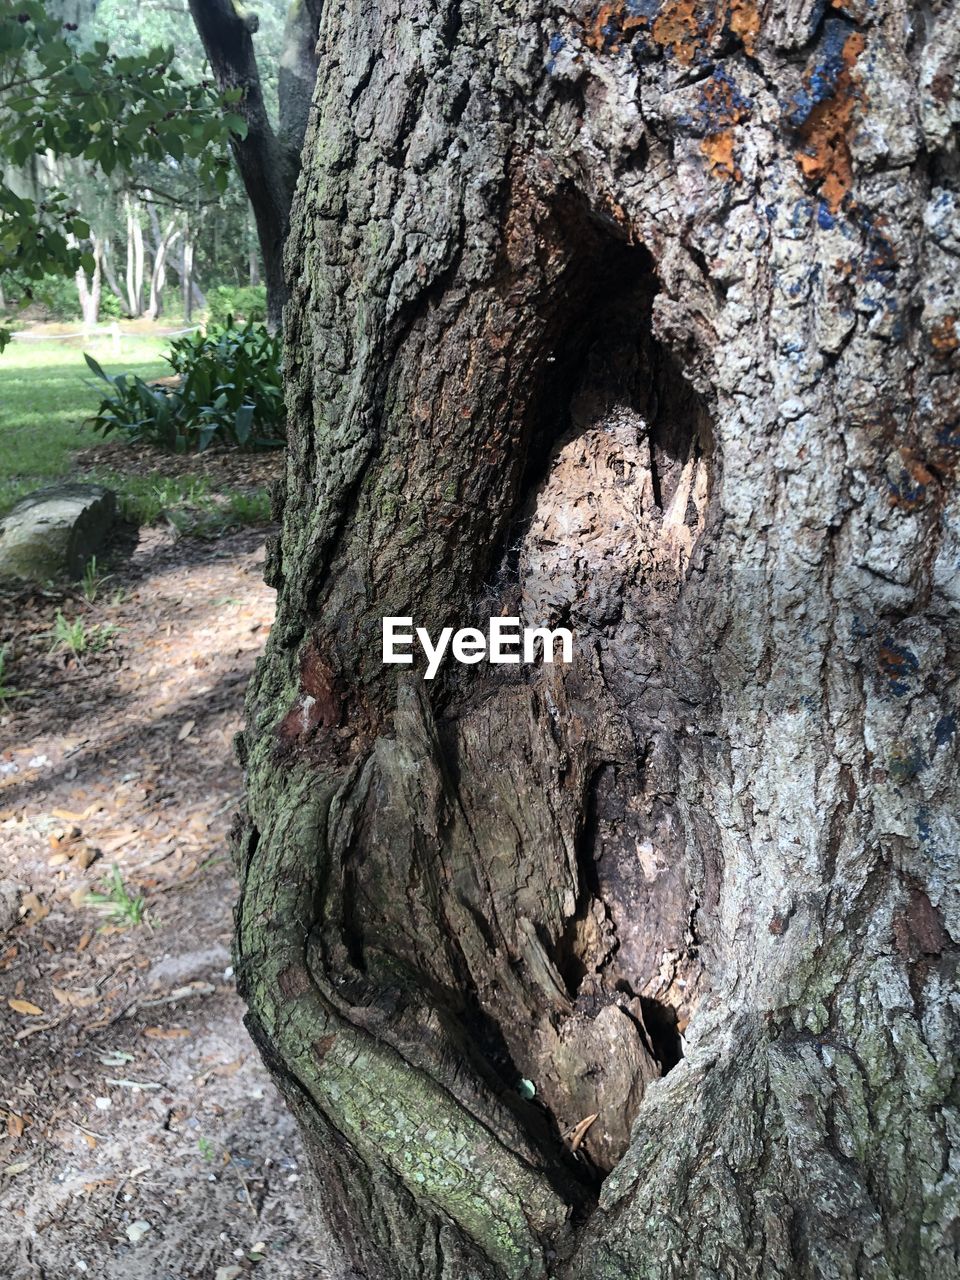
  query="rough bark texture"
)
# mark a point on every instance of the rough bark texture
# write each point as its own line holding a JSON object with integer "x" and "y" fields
{"x": 638, "y": 317}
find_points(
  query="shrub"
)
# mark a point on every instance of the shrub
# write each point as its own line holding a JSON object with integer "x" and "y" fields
{"x": 57, "y": 297}
{"x": 110, "y": 308}
{"x": 246, "y": 302}
{"x": 226, "y": 386}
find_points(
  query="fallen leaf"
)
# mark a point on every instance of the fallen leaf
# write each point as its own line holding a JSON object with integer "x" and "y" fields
{"x": 85, "y": 856}
{"x": 32, "y": 1030}
{"x": 166, "y": 1033}
{"x": 117, "y": 842}
{"x": 186, "y": 730}
{"x": 97, "y": 1183}
{"x": 137, "y": 1230}
{"x": 32, "y": 909}
{"x": 16, "y": 1124}
{"x": 75, "y": 999}
{"x": 573, "y": 1137}
{"x": 26, "y": 1007}
{"x": 19, "y": 1166}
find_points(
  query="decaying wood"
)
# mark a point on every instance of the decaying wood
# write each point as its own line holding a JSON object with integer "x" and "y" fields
{"x": 638, "y": 319}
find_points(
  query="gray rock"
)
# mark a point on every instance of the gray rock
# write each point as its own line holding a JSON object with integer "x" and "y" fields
{"x": 55, "y": 531}
{"x": 176, "y": 970}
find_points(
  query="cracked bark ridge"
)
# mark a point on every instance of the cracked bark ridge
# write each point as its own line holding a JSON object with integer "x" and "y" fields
{"x": 638, "y": 318}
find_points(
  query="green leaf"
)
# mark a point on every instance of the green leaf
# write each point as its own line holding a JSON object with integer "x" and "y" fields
{"x": 95, "y": 367}
{"x": 236, "y": 124}
{"x": 243, "y": 423}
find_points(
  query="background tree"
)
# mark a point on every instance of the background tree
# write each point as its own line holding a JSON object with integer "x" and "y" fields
{"x": 639, "y": 318}
{"x": 268, "y": 158}
{"x": 107, "y": 112}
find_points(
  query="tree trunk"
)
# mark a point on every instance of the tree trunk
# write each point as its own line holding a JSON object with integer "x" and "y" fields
{"x": 253, "y": 264}
{"x": 158, "y": 278}
{"x": 642, "y": 323}
{"x": 109, "y": 275}
{"x": 186, "y": 276}
{"x": 88, "y": 291}
{"x": 268, "y": 162}
{"x": 134, "y": 261}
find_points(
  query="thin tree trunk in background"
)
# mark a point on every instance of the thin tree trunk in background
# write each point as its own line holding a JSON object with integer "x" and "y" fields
{"x": 88, "y": 291}
{"x": 253, "y": 267}
{"x": 643, "y": 323}
{"x": 186, "y": 276}
{"x": 135, "y": 261}
{"x": 109, "y": 274}
{"x": 162, "y": 242}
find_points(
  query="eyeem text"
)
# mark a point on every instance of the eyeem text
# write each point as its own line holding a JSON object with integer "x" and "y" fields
{"x": 504, "y": 642}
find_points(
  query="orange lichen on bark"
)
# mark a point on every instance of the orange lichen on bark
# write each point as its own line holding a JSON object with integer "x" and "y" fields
{"x": 944, "y": 337}
{"x": 681, "y": 27}
{"x": 744, "y": 22}
{"x": 825, "y": 157}
{"x": 725, "y": 109}
{"x": 676, "y": 29}
{"x": 718, "y": 149}
{"x": 609, "y": 26}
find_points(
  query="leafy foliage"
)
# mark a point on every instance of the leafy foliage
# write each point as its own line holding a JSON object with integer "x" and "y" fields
{"x": 227, "y": 387}
{"x": 57, "y": 297}
{"x": 245, "y": 302}
{"x": 94, "y": 106}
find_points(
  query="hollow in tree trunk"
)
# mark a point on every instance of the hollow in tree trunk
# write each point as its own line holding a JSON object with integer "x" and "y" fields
{"x": 636, "y": 319}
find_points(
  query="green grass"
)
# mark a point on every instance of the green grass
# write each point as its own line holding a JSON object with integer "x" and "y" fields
{"x": 46, "y": 390}
{"x": 118, "y": 903}
{"x": 187, "y": 502}
{"x": 74, "y": 636}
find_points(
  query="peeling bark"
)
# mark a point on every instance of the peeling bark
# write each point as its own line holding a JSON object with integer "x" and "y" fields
{"x": 638, "y": 320}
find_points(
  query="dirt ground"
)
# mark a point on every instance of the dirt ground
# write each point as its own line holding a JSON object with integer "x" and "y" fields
{"x": 140, "y": 1137}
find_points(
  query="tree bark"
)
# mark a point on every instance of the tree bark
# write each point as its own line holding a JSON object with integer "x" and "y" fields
{"x": 88, "y": 291}
{"x": 163, "y": 239}
{"x": 268, "y": 161}
{"x": 134, "y": 277}
{"x": 639, "y": 320}
{"x": 186, "y": 276}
